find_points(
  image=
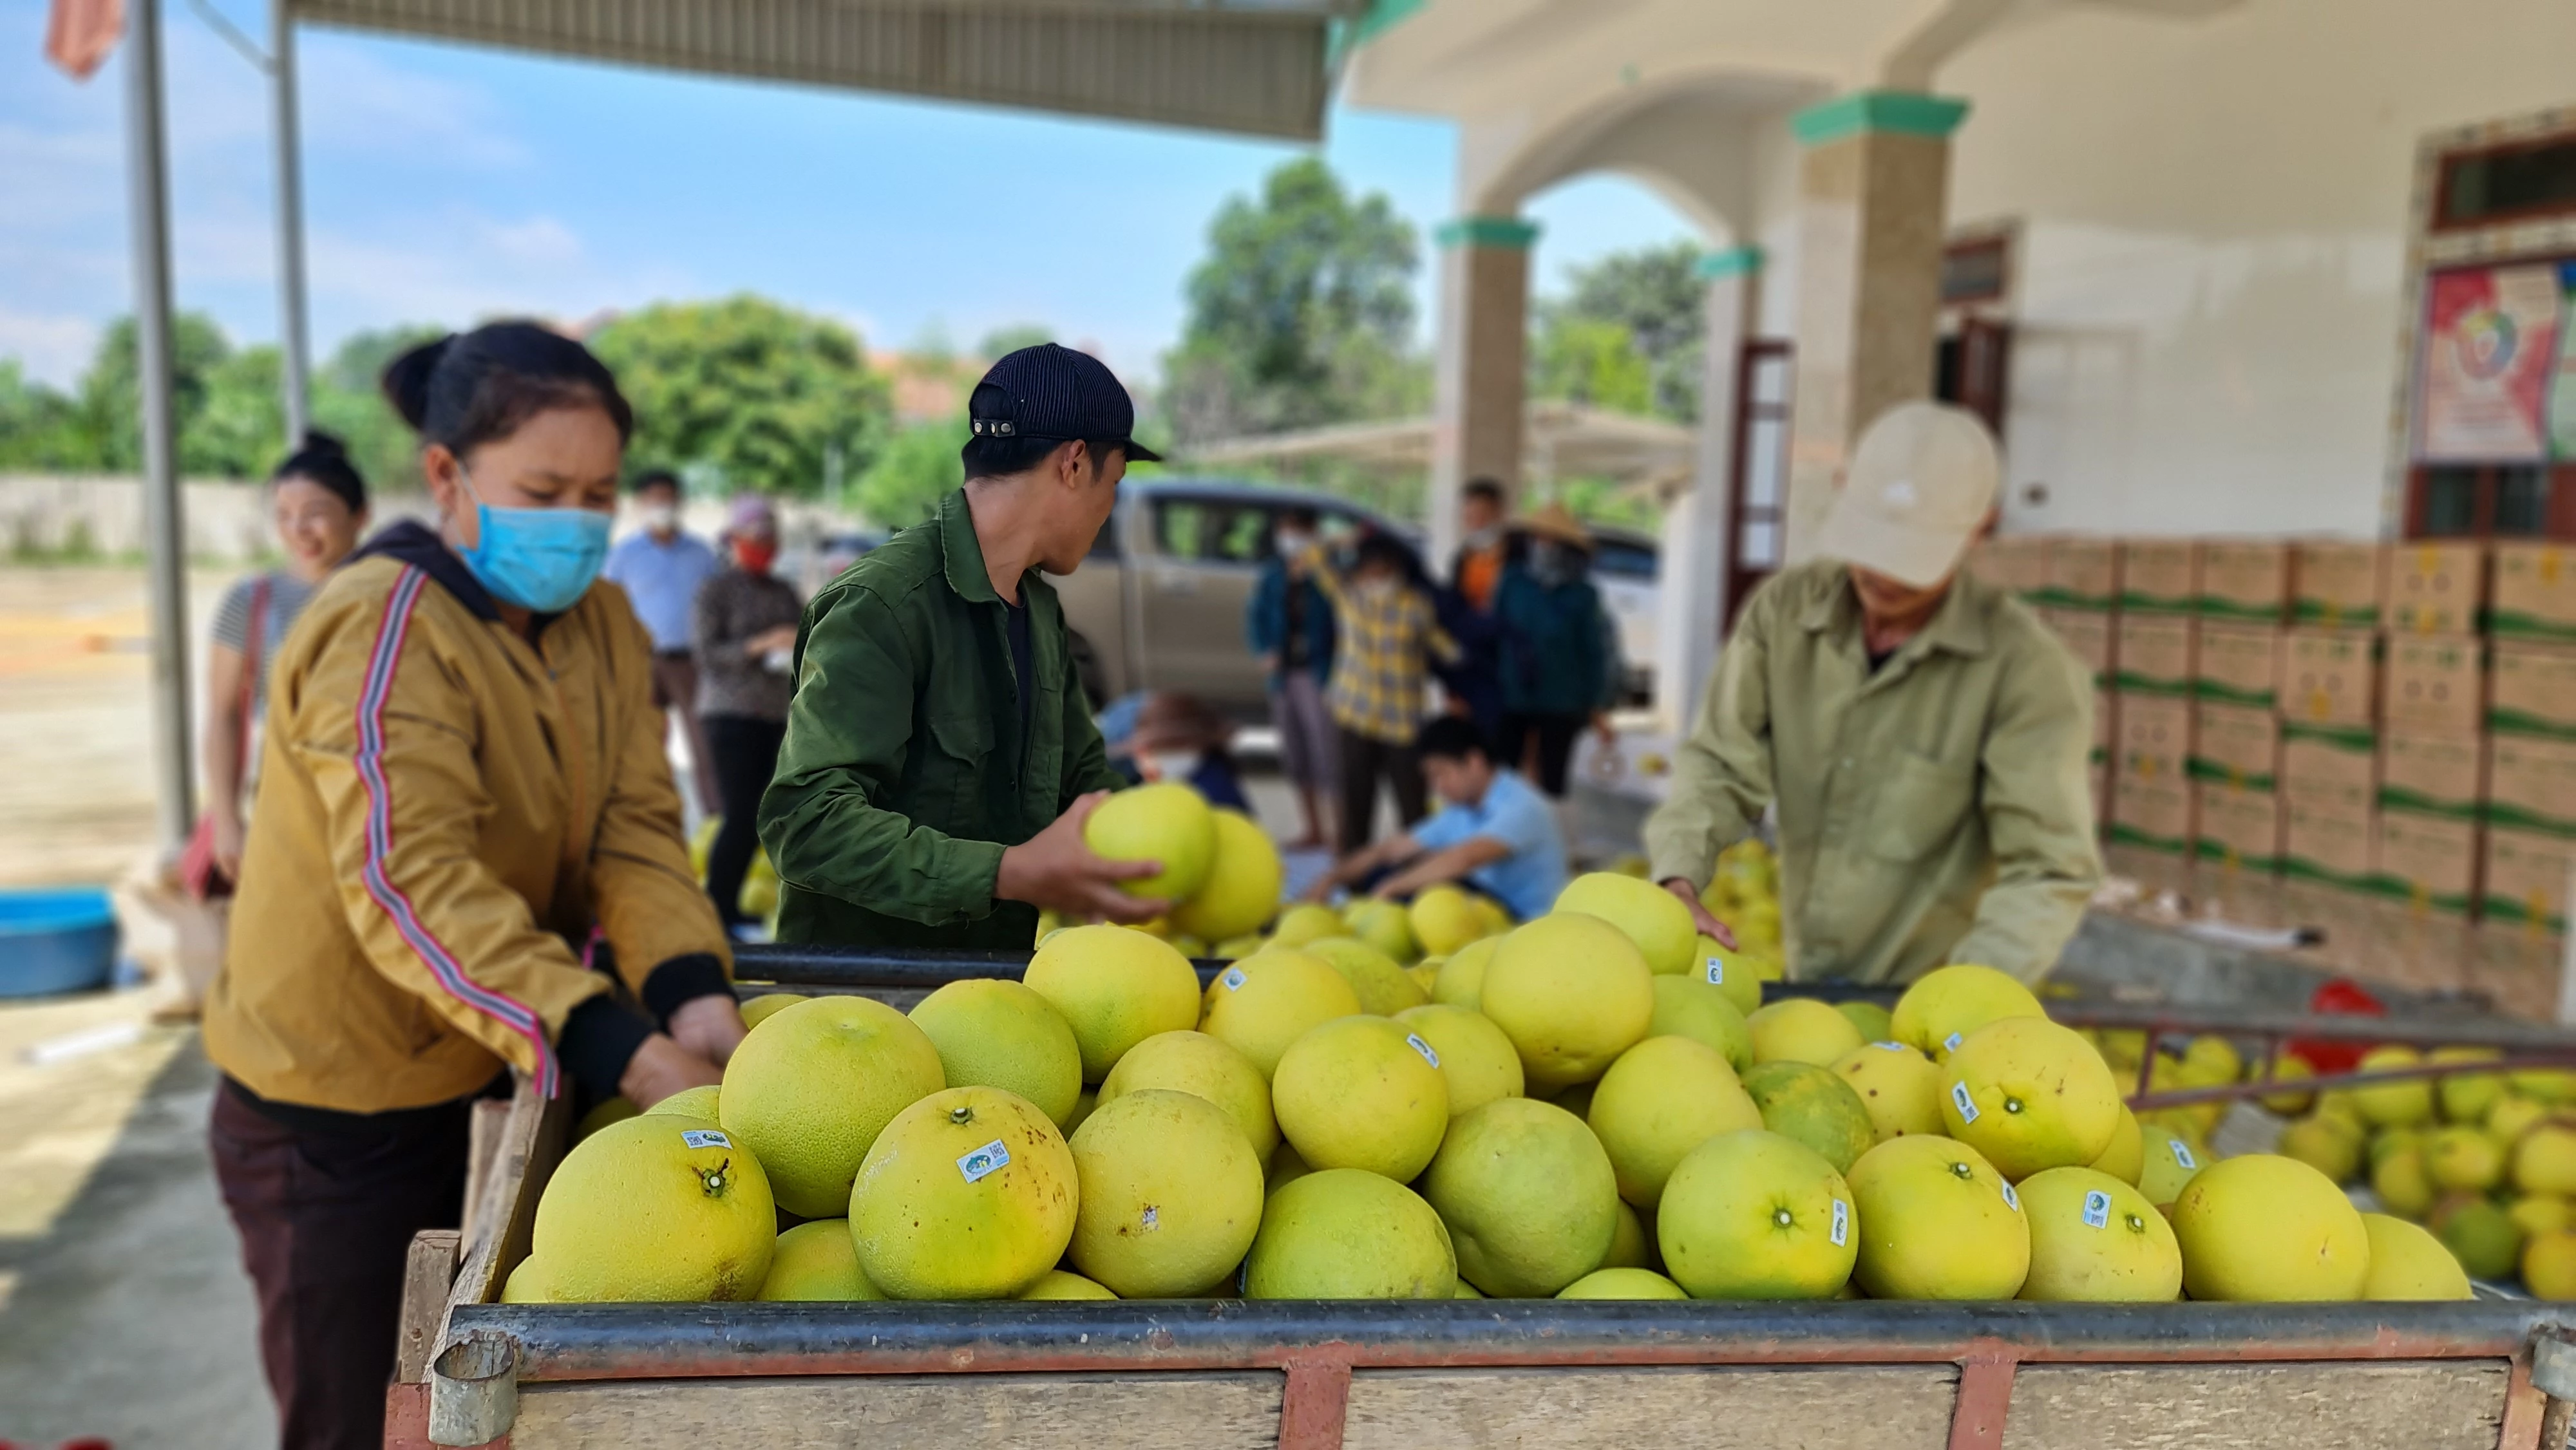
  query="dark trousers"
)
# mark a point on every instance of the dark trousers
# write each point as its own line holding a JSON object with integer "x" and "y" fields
{"x": 1365, "y": 761}
{"x": 746, "y": 756}
{"x": 325, "y": 1220}
{"x": 675, "y": 688}
{"x": 1538, "y": 746}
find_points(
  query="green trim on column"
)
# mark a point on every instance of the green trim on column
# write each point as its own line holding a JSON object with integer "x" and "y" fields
{"x": 1509, "y": 233}
{"x": 1733, "y": 262}
{"x": 1906, "y": 113}
{"x": 1348, "y": 33}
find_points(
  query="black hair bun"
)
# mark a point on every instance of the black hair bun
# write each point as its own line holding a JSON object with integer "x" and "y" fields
{"x": 319, "y": 444}
{"x": 407, "y": 378}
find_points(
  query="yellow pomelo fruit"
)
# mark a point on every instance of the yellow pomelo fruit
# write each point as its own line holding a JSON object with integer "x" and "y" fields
{"x": 2264, "y": 1228}
{"x": 1801, "y": 1029}
{"x": 1426, "y": 974}
{"x": 1632, "y": 1243}
{"x": 2389, "y": 1140}
{"x": 1171, "y": 1195}
{"x": 1813, "y": 1105}
{"x": 1876, "y": 1023}
{"x": 1361, "y": 1092}
{"x": 1063, "y": 1284}
{"x": 1497, "y": 920}
{"x": 1194, "y": 1062}
{"x": 2325, "y": 1145}
{"x": 2540, "y": 1213}
{"x": 1188, "y": 946}
{"x": 1752, "y": 1215}
{"x": 1115, "y": 988}
{"x": 2479, "y": 1233}
{"x": 1259, "y": 1005}
{"x": 658, "y": 1208}
{"x": 2212, "y": 1060}
{"x": 1947, "y": 1003}
{"x": 2398, "y": 1177}
{"x": 816, "y": 1261}
{"x": 1340, "y": 1233}
{"x": 2549, "y": 1265}
{"x": 2029, "y": 1095}
{"x": 2096, "y": 1239}
{"x": 968, "y": 1194}
{"x": 697, "y": 1102}
{"x": 2514, "y": 1115}
{"x": 1936, "y": 1222}
{"x": 2407, "y": 1262}
{"x": 1572, "y": 993}
{"x": 1082, "y": 1108}
{"x": 1236, "y": 948}
{"x": 1661, "y": 1099}
{"x": 528, "y": 1284}
{"x": 1730, "y": 971}
{"x": 2123, "y": 1047}
{"x": 1898, "y": 1087}
{"x": 761, "y": 1008}
{"x": 1383, "y": 925}
{"x": 2467, "y": 1097}
{"x": 2549, "y": 1085}
{"x": 1577, "y": 1099}
{"x": 1689, "y": 1007}
{"x": 1466, "y": 1291}
{"x": 1461, "y": 982}
{"x": 607, "y": 1111}
{"x": 1304, "y": 922}
{"x": 2126, "y": 1155}
{"x": 1285, "y": 1167}
{"x": 1444, "y": 919}
{"x": 2169, "y": 1162}
{"x": 1242, "y": 886}
{"x": 2289, "y": 1068}
{"x": 1622, "y": 1284}
{"x": 1476, "y": 1059}
{"x": 1383, "y": 988}
{"x": 1527, "y": 1195}
{"x": 2544, "y": 1159}
{"x": 2393, "y": 1104}
{"x": 1652, "y": 917}
{"x": 2462, "y": 1157}
{"x": 993, "y": 1033}
{"x": 1166, "y": 822}
{"x": 810, "y": 1090}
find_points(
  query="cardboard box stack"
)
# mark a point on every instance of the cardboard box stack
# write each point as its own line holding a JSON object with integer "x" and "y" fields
{"x": 2239, "y": 600}
{"x": 2528, "y": 806}
{"x": 2432, "y": 749}
{"x": 2329, "y": 712}
{"x": 2079, "y": 583}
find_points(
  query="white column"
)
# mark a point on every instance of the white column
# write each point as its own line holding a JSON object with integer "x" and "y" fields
{"x": 1698, "y": 557}
{"x": 1481, "y": 379}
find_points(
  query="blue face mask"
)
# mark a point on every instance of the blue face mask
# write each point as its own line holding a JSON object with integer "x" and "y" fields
{"x": 540, "y": 559}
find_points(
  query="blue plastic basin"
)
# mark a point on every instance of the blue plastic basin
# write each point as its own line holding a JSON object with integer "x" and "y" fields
{"x": 55, "y": 940}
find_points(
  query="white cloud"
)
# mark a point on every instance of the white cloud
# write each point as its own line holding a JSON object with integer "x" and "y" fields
{"x": 462, "y": 265}
{"x": 354, "y": 101}
{"x": 52, "y": 349}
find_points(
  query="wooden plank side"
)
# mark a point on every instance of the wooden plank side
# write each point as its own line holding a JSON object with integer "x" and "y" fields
{"x": 1719, "y": 1408}
{"x": 532, "y": 1142}
{"x": 429, "y": 1269}
{"x": 1215, "y": 1411}
{"x": 2391, "y": 1405}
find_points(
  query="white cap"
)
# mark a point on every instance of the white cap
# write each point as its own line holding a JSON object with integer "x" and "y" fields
{"x": 1920, "y": 486}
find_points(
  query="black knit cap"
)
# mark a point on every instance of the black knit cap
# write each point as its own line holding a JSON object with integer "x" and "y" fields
{"x": 1056, "y": 393}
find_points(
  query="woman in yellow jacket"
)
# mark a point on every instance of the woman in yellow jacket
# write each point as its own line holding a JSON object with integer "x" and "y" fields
{"x": 466, "y": 860}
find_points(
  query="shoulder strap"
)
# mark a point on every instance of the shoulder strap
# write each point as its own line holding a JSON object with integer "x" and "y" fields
{"x": 254, "y": 645}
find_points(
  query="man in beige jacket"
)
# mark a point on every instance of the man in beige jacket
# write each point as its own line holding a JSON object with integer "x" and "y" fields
{"x": 1923, "y": 735}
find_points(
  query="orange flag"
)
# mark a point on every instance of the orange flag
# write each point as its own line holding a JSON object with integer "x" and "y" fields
{"x": 79, "y": 34}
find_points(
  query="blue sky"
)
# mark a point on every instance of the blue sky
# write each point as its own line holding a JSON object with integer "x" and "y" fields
{"x": 444, "y": 184}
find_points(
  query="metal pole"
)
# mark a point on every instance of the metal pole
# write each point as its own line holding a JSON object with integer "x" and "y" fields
{"x": 164, "y": 532}
{"x": 293, "y": 344}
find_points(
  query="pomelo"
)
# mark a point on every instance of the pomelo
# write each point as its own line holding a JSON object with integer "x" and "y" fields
{"x": 697, "y": 1102}
{"x": 2264, "y": 1228}
{"x": 1947, "y": 1003}
{"x": 1444, "y": 919}
{"x": 1572, "y": 993}
{"x": 1899, "y": 1088}
{"x": 995, "y": 1033}
{"x": 1753, "y": 1215}
{"x": 759, "y": 1009}
{"x": 1114, "y": 987}
{"x": 1285, "y": 1167}
{"x": 969, "y": 1193}
{"x": 2544, "y": 1159}
{"x": 2096, "y": 1239}
{"x": 2549, "y": 1265}
{"x": 1171, "y": 1195}
{"x": 1476, "y": 1059}
{"x": 1426, "y": 974}
{"x": 1801, "y": 1029}
{"x": 1528, "y": 1196}
{"x": 1194, "y": 1062}
{"x": 1063, "y": 1284}
{"x": 1813, "y": 1105}
{"x": 1340, "y": 1233}
{"x": 2407, "y": 1262}
{"x": 1622, "y": 1284}
{"x": 2029, "y": 1095}
{"x": 655, "y": 1208}
{"x": 1632, "y": 1243}
{"x": 1082, "y": 1108}
{"x": 1305, "y": 922}
{"x": 1461, "y": 982}
{"x": 1362, "y": 1092}
{"x": 2393, "y": 1104}
{"x": 529, "y": 1283}
{"x": 1497, "y": 920}
{"x": 816, "y": 1261}
{"x": 2168, "y": 1161}
{"x": 1384, "y": 925}
{"x": 2461, "y": 1157}
{"x": 1661, "y": 1099}
{"x": 1685, "y": 1006}
{"x": 608, "y": 1110}
{"x": 1382, "y": 986}
{"x": 2479, "y": 1233}
{"x": 2514, "y": 1115}
{"x": 2539, "y": 1213}
{"x": 1165, "y": 822}
{"x": 1652, "y": 917}
{"x": 1241, "y": 890}
{"x": 2126, "y": 1156}
{"x": 1730, "y": 970}
{"x": 2290, "y": 1068}
{"x": 1876, "y": 1023}
{"x": 2398, "y": 1177}
{"x": 2211, "y": 1060}
{"x": 1262, "y": 1003}
{"x": 2325, "y": 1145}
{"x": 811, "y": 1088}
{"x": 1236, "y": 948}
{"x": 1937, "y": 1222}
{"x": 2468, "y": 1097}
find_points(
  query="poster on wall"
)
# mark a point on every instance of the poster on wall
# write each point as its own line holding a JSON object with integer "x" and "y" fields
{"x": 2490, "y": 353}
{"x": 2562, "y": 388}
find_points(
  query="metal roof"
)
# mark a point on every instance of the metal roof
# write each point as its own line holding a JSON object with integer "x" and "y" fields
{"x": 1227, "y": 65}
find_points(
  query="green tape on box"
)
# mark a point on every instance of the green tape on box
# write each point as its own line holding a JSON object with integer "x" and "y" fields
{"x": 2217, "y": 772}
{"x": 2302, "y": 869}
{"x": 2356, "y": 739}
{"x": 2141, "y": 685}
{"x": 2211, "y": 850}
{"x": 2132, "y": 836}
{"x": 2333, "y": 616}
{"x": 2512, "y": 624}
{"x": 2211, "y": 607}
{"x": 2515, "y": 722}
{"x": 2521, "y": 818}
{"x": 2133, "y": 603}
{"x": 2415, "y": 803}
{"x": 2218, "y": 692}
{"x": 2506, "y": 908}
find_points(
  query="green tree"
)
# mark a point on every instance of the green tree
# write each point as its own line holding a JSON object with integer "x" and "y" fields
{"x": 1301, "y": 314}
{"x": 747, "y": 393}
{"x": 1652, "y": 297}
{"x": 41, "y": 428}
{"x": 1592, "y": 361}
{"x": 239, "y": 430}
{"x": 110, "y": 399}
{"x": 349, "y": 402}
{"x": 1005, "y": 340}
{"x": 907, "y": 480}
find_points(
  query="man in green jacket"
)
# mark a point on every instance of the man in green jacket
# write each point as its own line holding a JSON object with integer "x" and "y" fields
{"x": 940, "y": 757}
{"x": 1923, "y": 735}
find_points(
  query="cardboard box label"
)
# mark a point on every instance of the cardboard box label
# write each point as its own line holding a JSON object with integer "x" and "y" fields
{"x": 2155, "y": 737}
{"x": 2236, "y": 746}
{"x": 2239, "y": 664}
{"x": 2330, "y": 677}
{"x": 2154, "y": 652}
{"x": 2087, "y": 635}
{"x": 2533, "y": 592}
{"x": 2432, "y": 774}
{"x": 2434, "y": 683}
{"x": 2155, "y": 813}
{"x": 2239, "y": 829}
{"x": 2532, "y": 690}
{"x": 2336, "y": 768}
{"x": 2531, "y": 783}
{"x": 2246, "y": 579}
{"x": 2525, "y": 879}
{"x": 2082, "y": 572}
{"x": 2339, "y": 585}
{"x": 2160, "y": 574}
{"x": 2429, "y": 862}
{"x": 2436, "y": 588}
{"x": 2323, "y": 843}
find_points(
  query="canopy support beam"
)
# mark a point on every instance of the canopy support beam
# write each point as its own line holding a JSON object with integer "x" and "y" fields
{"x": 164, "y": 522}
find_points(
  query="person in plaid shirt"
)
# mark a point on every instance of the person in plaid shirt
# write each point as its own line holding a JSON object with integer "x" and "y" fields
{"x": 1386, "y": 630}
